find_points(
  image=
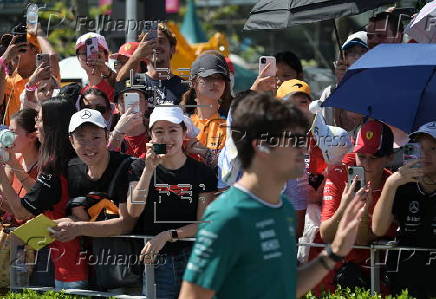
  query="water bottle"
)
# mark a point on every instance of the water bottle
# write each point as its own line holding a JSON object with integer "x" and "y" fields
{"x": 32, "y": 17}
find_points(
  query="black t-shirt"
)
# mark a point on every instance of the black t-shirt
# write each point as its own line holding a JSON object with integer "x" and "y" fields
{"x": 80, "y": 184}
{"x": 165, "y": 90}
{"x": 44, "y": 194}
{"x": 173, "y": 194}
{"x": 415, "y": 212}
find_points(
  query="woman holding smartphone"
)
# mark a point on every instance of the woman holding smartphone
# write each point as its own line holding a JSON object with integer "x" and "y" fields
{"x": 169, "y": 196}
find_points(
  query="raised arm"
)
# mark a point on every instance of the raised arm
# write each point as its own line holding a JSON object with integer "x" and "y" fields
{"x": 144, "y": 50}
{"x": 139, "y": 190}
{"x": 310, "y": 274}
{"x": 382, "y": 217}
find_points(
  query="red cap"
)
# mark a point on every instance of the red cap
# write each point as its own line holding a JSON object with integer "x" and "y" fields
{"x": 126, "y": 50}
{"x": 374, "y": 137}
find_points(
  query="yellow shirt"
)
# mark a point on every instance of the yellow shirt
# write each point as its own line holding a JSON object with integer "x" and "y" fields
{"x": 212, "y": 131}
{"x": 13, "y": 88}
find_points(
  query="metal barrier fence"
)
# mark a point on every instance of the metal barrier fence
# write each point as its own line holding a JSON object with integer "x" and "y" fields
{"x": 20, "y": 282}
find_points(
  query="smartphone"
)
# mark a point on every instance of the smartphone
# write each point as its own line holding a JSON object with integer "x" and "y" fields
{"x": 42, "y": 59}
{"x": 412, "y": 151}
{"x": 264, "y": 61}
{"x": 150, "y": 27}
{"x": 160, "y": 148}
{"x": 91, "y": 49}
{"x": 131, "y": 99}
{"x": 354, "y": 171}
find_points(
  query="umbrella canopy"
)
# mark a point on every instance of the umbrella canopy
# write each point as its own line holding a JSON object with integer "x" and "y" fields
{"x": 191, "y": 27}
{"x": 423, "y": 26}
{"x": 394, "y": 83}
{"x": 280, "y": 14}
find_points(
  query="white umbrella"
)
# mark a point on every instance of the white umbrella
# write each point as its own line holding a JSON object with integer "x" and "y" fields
{"x": 423, "y": 26}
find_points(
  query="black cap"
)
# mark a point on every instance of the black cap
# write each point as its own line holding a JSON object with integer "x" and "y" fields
{"x": 209, "y": 64}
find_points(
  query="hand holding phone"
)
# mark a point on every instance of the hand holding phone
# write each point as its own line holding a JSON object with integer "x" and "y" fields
{"x": 131, "y": 100}
{"x": 358, "y": 171}
{"x": 150, "y": 28}
{"x": 267, "y": 66}
{"x": 42, "y": 59}
{"x": 91, "y": 50}
{"x": 412, "y": 151}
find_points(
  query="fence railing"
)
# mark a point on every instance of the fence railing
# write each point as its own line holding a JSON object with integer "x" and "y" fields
{"x": 18, "y": 282}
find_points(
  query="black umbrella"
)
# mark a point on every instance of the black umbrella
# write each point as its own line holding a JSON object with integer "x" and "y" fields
{"x": 280, "y": 14}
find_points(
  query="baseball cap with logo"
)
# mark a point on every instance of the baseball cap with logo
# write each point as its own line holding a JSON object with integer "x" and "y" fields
{"x": 173, "y": 114}
{"x": 100, "y": 40}
{"x": 359, "y": 38}
{"x": 86, "y": 116}
{"x": 209, "y": 64}
{"x": 428, "y": 128}
{"x": 126, "y": 49}
{"x": 374, "y": 137}
{"x": 292, "y": 87}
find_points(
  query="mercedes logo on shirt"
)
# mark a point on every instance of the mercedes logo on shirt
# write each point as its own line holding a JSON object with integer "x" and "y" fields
{"x": 86, "y": 114}
{"x": 414, "y": 207}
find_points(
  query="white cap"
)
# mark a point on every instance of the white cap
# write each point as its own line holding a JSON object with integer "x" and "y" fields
{"x": 334, "y": 142}
{"x": 86, "y": 116}
{"x": 100, "y": 40}
{"x": 359, "y": 38}
{"x": 428, "y": 128}
{"x": 173, "y": 114}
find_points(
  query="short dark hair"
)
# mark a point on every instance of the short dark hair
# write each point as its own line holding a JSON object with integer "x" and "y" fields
{"x": 97, "y": 92}
{"x": 26, "y": 119}
{"x": 290, "y": 59}
{"x": 393, "y": 21}
{"x": 259, "y": 114}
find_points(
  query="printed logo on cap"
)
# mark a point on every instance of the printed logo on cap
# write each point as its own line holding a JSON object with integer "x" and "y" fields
{"x": 432, "y": 125}
{"x": 298, "y": 85}
{"x": 86, "y": 114}
{"x": 369, "y": 135}
{"x": 127, "y": 47}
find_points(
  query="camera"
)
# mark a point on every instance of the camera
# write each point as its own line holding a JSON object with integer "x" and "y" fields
{"x": 263, "y": 60}
{"x": 7, "y": 139}
{"x": 160, "y": 148}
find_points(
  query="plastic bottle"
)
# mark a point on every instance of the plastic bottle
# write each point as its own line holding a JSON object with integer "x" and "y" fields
{"x": 32, "y": 17}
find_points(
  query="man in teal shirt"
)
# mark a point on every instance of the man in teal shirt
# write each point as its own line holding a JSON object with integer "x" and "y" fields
{"x": 246, "y": 246}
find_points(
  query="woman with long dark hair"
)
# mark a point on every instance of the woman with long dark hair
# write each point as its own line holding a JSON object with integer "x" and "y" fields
{"x": 210, "y": 92}
{"x": 49, "y": 195}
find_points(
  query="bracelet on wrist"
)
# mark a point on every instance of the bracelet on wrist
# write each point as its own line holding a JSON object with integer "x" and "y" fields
{"x": 4, "y": 66}
{"x": 333, "y": 256}
{"x": 325, "y": 264}
{"x": 31, "y": 88}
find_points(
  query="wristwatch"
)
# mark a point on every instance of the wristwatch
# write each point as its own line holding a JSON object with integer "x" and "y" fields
{"x": 174, "y": 235}
{"x": 333, "y": 256}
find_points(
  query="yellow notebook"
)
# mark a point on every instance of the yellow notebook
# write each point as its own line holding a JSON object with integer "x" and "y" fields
{"x": 35, "y": 232}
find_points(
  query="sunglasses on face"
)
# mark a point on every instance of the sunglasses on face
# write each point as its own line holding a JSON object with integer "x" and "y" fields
{"x": 99, "y": 108}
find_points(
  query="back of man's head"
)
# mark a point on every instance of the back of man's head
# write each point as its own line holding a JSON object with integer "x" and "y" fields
{"x": 258, "y": 116}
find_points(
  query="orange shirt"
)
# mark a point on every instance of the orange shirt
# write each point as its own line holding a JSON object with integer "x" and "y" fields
{"x": 13, "y": 88}
{"x": 212, "y": 131}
